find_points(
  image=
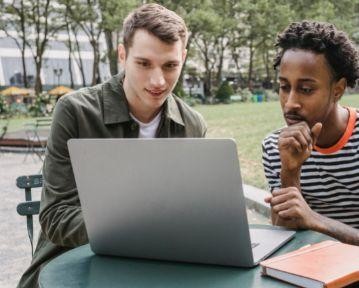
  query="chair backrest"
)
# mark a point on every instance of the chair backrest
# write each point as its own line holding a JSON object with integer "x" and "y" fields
{"x": 29, "y": 207}
{"x": 43, "y": 122}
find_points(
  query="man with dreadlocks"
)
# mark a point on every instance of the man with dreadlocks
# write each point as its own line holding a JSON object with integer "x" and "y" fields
{"x": 312, "y": 164}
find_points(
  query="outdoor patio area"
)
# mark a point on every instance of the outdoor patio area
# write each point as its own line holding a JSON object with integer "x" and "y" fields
{"x": 15, "y": 248}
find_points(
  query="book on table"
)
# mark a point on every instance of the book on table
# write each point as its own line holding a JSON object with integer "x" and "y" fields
{"x": 326, "y": 264}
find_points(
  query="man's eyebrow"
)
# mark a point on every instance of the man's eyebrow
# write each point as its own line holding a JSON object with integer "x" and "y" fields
{"x": 172, "y": 62}
{"x": 300, "y": 79}
{"x": 141, "y": 58}
{"x": 307, "y": 80}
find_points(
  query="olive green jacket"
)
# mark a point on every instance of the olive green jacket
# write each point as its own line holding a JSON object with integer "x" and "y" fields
{"x": 97, "y": 112}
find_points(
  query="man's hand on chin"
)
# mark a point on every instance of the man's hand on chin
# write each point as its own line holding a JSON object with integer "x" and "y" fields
{"x": 296, "y": 143}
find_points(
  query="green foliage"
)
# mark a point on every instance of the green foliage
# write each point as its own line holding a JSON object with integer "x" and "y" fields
{"x": 271, "y": 95}
{"x": 38, "y": 108}
{"x": 245, "y": 93}
{"x": 224, "y": 92}
{"x": 178, "y": 91}
{"x": 4, "y": 108}
{"x": 218, "y": 29}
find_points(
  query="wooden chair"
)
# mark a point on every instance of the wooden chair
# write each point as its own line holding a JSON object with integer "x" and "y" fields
{"x": 29, "y": 207}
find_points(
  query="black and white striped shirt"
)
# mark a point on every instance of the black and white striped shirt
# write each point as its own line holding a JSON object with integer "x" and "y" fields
{"x": 329, "y": 178}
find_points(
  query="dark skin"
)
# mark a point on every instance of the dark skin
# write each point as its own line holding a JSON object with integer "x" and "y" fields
{"x": 309, "y": 98}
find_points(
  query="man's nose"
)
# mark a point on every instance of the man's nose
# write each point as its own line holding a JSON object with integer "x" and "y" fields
{"x": 292, "y": 102}
{"x": 157, "y": 78}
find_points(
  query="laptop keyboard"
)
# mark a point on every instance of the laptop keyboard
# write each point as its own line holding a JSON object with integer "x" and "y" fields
{"x": 254, "y": 244}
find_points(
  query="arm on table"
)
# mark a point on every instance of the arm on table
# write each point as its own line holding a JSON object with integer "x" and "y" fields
{"x": 60, "y": 214}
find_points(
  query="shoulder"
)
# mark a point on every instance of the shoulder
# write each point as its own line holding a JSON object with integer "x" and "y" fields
{"x": 83, "y": 97}
{"x": 193, "y": 120}
{"x": 271, "y": 140}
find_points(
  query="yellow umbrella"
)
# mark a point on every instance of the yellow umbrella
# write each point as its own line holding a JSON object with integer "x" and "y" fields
{"x": 60, "y": 90}
{"x": 13, "y": 91}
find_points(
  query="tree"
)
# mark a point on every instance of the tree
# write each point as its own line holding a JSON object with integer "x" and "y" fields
{"x": 263, "y": 19}
{"x": 87, "y": 16}
{"x": 224, "y": 92}
{"x": 43, "y": 30}
{"x": 113, "y": 12}
{"x": 205, "y": 42}
{"x": 14, "y": 19}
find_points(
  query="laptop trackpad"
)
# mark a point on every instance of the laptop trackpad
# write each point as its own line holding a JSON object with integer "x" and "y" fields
{"x": 265, "y": 241}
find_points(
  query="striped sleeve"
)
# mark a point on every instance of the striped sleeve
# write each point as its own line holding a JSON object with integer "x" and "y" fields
{"x": 271, "y": 161}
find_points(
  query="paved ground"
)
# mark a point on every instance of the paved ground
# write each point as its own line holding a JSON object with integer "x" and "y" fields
{"x": 15, "y": 249}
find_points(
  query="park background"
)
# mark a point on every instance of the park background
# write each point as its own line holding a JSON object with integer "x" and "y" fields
{"x": 227, "y": 77}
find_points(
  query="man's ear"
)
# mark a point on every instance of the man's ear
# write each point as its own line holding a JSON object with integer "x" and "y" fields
{"x": 184, "y": 54}
{"x": 121, "y": 55}
{"x": 339, "y": 89}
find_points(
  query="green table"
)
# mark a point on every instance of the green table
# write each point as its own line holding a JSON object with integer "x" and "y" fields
{"x": 80, "y": 267}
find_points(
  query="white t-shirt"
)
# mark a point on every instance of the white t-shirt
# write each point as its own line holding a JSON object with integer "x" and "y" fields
{"x": 148, "y": 130}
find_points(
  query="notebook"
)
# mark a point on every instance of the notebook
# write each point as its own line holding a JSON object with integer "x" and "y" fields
{"x": 168, "y": 199}
{"x": 326, "y": 264}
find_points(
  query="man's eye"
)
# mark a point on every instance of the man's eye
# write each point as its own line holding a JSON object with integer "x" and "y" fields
{"x": 143, "y": 64}
{"x": 171, "y": 65}
{"x": 284, "y": 87}
{"x": 307, "y": 90}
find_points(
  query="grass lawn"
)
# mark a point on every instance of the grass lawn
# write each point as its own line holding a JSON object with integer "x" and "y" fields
{"x": 17, "y": 123}
{"x": 248, "y": 124}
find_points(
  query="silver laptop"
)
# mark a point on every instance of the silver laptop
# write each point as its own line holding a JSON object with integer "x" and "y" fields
{"x": 168, "y": 199}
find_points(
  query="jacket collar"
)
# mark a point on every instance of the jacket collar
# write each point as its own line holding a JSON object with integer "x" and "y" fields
{"x": 116, "y": 107}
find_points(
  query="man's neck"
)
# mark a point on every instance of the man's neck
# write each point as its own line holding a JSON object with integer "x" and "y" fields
{"x": 144, "y": 116}
{"x": 334, "y": 127}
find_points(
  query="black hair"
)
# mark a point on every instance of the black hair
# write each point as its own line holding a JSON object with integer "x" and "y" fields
{"x": 322, "y": 38}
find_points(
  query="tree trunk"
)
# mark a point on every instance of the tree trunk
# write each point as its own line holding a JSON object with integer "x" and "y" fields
{"x": 96, "y": 60}
{"x": 266, "y": 64}
{"x": 220, "y": 67}
{"x": 80, "y": 63}
{"x": 70, "y": 53}
{"x": 38, "y": 83}
{"x": 179, "y": 85}
{"x": 250, "y": 69}
{"x": 23, "y": 60}
{"x": 208, "y": 80}
{"x": 72, "y": 85}
{"x": 112, "y": 53}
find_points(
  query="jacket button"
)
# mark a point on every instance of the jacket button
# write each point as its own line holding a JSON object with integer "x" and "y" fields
{"x": 133, "y": 126}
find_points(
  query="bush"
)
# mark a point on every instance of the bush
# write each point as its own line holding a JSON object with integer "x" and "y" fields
{"x": 179, "y": 92}
{"x": 271, "y": 95}
{"x": 38, "y": 108}
{"x": 4, "y": 107}
{"x": 246, "y": 94}
{"x": 224, "y": 92}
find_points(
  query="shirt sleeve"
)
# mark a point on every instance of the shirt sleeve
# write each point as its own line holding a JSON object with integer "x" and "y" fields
{"x": 271, "y": 165}
{"x": 60, "y": 213}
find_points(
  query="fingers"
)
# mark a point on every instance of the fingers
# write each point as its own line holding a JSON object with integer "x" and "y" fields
{"x": 268, "y": 199}
{"x": 283, "y": 191}
{"x": 297, "y": 136}
{"x": 285, "y": 198}
{"x": 315, "y": 131}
